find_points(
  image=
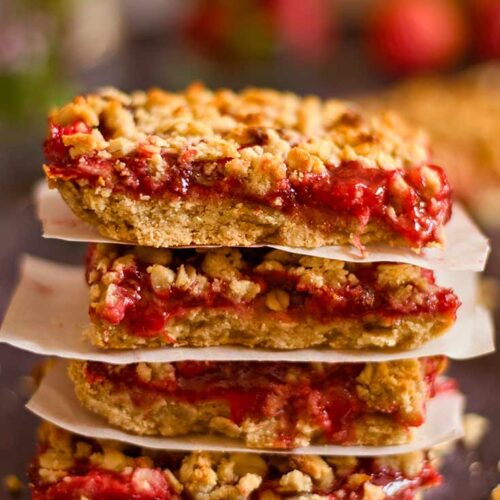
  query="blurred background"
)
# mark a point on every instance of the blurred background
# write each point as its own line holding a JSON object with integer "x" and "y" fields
{"x": 435, "y": 61}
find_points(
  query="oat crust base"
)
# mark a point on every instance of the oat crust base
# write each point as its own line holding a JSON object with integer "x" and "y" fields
{"x": 210, "y": 328}
{"x": 170, "y": 223}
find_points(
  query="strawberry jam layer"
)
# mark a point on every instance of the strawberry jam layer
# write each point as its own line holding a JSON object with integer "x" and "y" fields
{"x": 83, "y": 481}
{"x": 134, "y": 303}
{"x": 323, "y": 395}
{"x": 86, "y": 480}
{"x": 409, "y": 202}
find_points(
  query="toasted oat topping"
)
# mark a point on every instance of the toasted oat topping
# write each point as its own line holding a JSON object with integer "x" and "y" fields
{"x": 233, "y": 266}
{"x": 266, "y": 134}
{"x": 225, "y": 476}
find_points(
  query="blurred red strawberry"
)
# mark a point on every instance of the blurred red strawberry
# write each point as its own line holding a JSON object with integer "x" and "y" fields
{"x": 306, "y": 28}
{"x": 208, "y": 25}
{"x": 410, "y": 36}
{"x": 487, "y": 28}
{"x": 256, "y": 28}
{"x": 229, "y": 29}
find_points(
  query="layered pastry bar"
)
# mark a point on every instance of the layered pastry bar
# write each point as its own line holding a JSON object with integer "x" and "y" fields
{"x": 265, "y": 405}
{"x": 73, "y": 467}
{"x": 258, "y": 167}
{"x": 142, "y": 296}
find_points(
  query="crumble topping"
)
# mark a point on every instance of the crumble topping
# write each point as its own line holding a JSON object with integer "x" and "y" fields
{"x": 222, "y": 476}
{"x": 289, "y": 131}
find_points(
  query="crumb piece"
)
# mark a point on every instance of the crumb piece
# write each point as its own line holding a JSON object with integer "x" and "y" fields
{"x": 357, "y": 479}
{"x": 150, "y": 255}
{"x": 247, "y": 463}
{"x": 186, "y": 276}
{"x": 475, "y": 427}
{"x": 495, "y": 494}
{"x": 244, "y": 290}
{"x": 13, "y": 484}
{"x": 197, "y": 475}
{"x": 162, "y": 278}
{"x": 372, "y": 492}
{"x": 320, "y": 472}
{"x": 475, "y": 467}
{"x": 295, "y": 482}
{"x": 343, "y": 465}
{"x": 248, "y": 483}
{"x": 277, "y": 300}
{"x": 409, "y": 463}
{"x": 225, "y": 426}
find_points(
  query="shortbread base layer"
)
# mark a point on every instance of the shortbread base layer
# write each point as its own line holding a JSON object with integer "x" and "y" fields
{"x": 173, "y": 222}
{"x": 205, "y": 328}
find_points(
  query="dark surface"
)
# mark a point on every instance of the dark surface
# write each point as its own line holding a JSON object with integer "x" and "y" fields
{"x": 468, "y": 475}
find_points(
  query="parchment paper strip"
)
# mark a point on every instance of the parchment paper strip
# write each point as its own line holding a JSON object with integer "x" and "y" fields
{"x": 48, "y": 314}
{"x": 466, "y": 247}
{"x": 56, "y": 402}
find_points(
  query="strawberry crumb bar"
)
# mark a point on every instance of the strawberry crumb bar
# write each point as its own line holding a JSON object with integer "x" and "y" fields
{"x": 142, "y": 296}
{"x": 71, "y": 467}
{"x": 266, "y": 405}
{"x": 258, "y": 167}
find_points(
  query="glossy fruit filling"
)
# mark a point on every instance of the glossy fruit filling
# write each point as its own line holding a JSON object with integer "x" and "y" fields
{"x": 324, "y": 395}
{"x": 403, "y": 201}
{"x": 84, "y": 481}
{"x": 148, "y": 312}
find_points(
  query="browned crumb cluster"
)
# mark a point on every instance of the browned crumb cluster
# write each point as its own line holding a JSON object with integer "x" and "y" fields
{"x": 307, "y": 133}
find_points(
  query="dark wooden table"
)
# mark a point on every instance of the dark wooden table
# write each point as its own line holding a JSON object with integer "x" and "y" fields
{"x": 469, "y": 475}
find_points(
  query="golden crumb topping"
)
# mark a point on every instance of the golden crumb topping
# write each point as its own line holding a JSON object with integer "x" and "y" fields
{"x": 263, "y": 135}
{"x": 269, "y": 281}
{"x": 224, "y": 476}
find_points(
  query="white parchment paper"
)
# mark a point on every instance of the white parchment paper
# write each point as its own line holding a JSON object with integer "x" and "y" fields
{"x": 56, "y": 402}
{"x": 466, "y": 247}
{"x": 48, "y": 314}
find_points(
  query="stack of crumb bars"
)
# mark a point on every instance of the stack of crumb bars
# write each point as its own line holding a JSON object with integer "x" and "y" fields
{"x": 220, "y": 205}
